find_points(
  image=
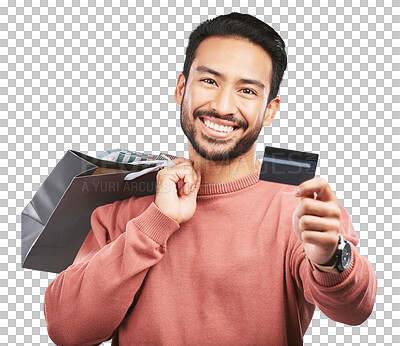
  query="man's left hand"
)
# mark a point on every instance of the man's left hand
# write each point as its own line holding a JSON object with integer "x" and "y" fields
{"x": 316, "y": 221}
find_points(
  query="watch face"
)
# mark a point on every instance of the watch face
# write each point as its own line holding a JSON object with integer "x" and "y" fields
{"x": 346, "y": 256}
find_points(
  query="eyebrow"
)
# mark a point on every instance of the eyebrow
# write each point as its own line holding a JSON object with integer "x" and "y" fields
{"x": 220, "y": 75}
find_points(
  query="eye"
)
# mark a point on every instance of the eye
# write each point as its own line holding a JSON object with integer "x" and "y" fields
{"x": 249, "y": 91}
{"x": 208, "y": 80}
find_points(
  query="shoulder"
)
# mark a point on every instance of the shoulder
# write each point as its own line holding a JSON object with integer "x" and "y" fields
{"x": 114, "y": 216}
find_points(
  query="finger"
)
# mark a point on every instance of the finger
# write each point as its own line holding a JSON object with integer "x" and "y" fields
{"x": 180, "y": 184}
{"x": 181, "y": 190}
{"x": 309, "y": 196}
{"x": 188, "y": 176}
{"x": 180, "y": 160}
{"x": 308, "y": 206}
{"x": 198, "y": 182}
{"x": 190, "y": 180}
{"x": 170, "y": 171}
{"x": 183, "y": 174}
{"x": 196, "y": 185}
{"x": 318, "y": 185}
{"x": 183, "y": 171}
{"x": 320, "y": 224}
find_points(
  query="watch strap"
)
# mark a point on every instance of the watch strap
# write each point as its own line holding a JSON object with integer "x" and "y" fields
{"x": 327, "y": 269}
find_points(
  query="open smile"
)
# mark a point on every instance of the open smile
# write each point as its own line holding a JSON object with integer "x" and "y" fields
{"x": 216, "y": 130}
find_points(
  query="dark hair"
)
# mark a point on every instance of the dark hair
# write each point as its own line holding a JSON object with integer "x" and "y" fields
{"x": 244, "y": 26}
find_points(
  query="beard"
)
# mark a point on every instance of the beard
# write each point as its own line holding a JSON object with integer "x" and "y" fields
{"x": 214, "y": 149}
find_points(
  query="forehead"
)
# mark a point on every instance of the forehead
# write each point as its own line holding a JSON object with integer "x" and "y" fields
{"x": 235, "y": 57}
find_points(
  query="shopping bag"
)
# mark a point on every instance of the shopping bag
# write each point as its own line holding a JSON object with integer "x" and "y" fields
{"x": 56, "y": 221}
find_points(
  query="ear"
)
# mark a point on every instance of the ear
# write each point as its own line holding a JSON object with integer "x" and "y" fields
{"x": 180, "y": 88}
{"x": 271, "y": 110}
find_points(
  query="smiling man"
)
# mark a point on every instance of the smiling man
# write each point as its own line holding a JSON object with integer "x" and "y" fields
{"x": 216, "y": 256}
{"x": 227, "y": 103}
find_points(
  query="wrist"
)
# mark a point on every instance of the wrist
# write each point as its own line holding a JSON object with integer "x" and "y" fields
{"x": 332, "y": 260}
{"x": 341, "y": 259}
{"x": 328, "y": 268}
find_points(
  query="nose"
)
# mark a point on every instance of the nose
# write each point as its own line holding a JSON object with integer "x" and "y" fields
{"x": 223, "y": 102}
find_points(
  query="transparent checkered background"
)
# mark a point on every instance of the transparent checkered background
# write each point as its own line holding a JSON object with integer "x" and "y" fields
{"x": 95, "y": 75}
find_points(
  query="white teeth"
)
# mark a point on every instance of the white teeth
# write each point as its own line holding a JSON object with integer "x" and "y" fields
{"x": 216, "y": 127}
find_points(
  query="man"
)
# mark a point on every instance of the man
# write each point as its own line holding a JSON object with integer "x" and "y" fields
{"x": 216, "y": 256}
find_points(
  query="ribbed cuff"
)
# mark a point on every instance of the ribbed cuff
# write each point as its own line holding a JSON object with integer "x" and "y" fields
{"x": 329, "y": 279}
{"x": 154, "y": 223}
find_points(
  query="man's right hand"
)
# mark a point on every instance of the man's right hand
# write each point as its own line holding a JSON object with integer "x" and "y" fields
{"x": 177, "y": 189}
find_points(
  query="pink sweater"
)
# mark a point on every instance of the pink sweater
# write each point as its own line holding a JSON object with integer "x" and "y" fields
{"x": 234, "y": 274}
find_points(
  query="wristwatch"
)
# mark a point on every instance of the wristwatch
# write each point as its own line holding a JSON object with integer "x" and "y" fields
{"x": 343, "y": 258}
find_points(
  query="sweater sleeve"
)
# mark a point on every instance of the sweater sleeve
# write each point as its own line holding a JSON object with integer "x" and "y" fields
{"x": 348, "y": 297}
{"x": 85, "y": 304}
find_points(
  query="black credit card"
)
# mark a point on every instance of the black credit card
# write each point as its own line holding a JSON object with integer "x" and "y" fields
{"x": 288, "y": 166}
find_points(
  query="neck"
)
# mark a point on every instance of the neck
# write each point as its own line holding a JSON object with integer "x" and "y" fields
{"x": 215, "y": 172}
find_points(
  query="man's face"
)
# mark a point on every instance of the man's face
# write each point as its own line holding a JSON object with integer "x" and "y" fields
{"x": 228, "y": 84}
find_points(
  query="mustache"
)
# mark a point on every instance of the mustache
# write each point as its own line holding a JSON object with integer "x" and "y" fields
{"x": 198, "y": 113}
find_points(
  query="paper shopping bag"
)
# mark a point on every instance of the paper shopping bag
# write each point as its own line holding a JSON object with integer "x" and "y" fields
{"x": 56, "y": 221}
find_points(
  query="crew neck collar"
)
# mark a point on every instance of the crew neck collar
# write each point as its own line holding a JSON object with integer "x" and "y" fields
{"x": 230, "y": 186}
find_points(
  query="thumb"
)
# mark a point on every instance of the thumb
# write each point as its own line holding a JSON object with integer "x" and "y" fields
{"x": 195, "y": 189}
{"x": 180, "y": 160}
